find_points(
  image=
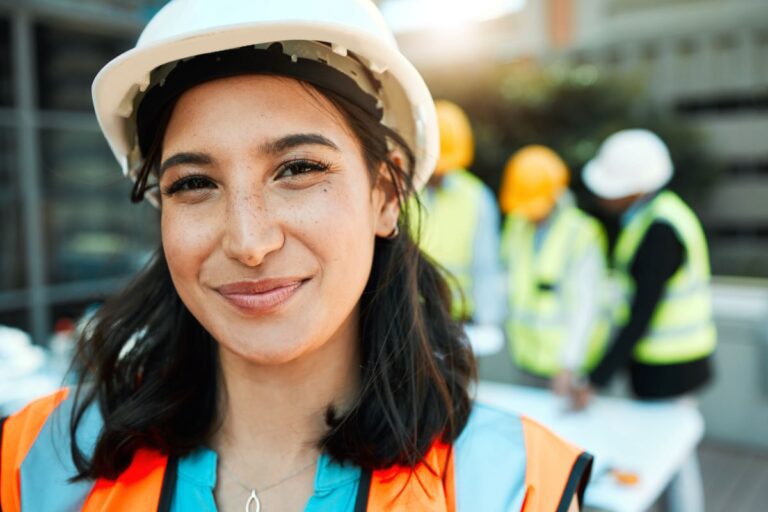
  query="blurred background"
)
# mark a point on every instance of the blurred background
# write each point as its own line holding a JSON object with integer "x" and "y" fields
{"x": 564, "y": 73}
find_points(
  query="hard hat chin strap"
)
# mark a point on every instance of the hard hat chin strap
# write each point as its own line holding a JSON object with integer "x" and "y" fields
{"x": 273, "y": 60}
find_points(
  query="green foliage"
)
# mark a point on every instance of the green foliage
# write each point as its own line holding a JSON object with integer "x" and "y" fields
{"x": 571, "y": 109}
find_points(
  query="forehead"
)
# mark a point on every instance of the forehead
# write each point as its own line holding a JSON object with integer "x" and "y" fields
{"x": 264, "y": 105}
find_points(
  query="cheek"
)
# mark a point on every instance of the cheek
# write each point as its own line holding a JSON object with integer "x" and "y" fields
{"x": 186, "y": 242}
{"x": 338, "y": 228}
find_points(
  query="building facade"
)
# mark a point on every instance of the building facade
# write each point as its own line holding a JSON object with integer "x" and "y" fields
{"x": 68, "y": 233}
{"x": 706, "y": 60}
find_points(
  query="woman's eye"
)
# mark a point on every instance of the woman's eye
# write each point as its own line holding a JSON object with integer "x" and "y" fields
{"x": 188, "y": 183}
{"x": 298, "y": 167}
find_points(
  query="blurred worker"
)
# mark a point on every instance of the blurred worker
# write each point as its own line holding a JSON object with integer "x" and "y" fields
{"x": 554, "y": 255}
{"x": 460, "y": 228}
{"x": 666, "y": 334}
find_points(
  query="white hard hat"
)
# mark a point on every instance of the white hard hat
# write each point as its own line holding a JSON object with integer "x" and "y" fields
{"x": 629, "y": 162}
{"x": 349, "y": 36}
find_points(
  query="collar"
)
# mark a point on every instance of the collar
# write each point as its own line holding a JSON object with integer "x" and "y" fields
{"x": 331, "y": 474}
{"x": 638, "y": 206}
{"x": 200, "y": 468}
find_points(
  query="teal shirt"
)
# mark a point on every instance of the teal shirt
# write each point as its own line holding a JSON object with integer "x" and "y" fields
{"x": 490, "y": 471}
{"x": 335, "y": 485}
{"x": 490, "y": 461}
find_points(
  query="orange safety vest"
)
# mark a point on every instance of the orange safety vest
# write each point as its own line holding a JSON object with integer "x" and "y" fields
{"x": 555, "y": 472}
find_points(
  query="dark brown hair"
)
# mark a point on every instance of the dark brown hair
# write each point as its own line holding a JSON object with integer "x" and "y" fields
{"x": 152, "y": 368}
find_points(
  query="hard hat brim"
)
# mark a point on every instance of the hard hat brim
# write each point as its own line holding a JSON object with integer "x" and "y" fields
{"x": 533, "y": 209}
{"x": 411, "y": 110}
{"x": 603, "y": 184}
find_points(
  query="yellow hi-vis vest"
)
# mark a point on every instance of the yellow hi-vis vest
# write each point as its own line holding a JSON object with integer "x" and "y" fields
{"x": 681, "y": 328}
{"x": 447, "y": 234}
{"x": 540, "y": 295}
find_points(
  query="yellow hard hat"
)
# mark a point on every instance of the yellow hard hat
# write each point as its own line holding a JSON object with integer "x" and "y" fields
{"x": 457, "y": 145}
{"x": 534, "y": 178}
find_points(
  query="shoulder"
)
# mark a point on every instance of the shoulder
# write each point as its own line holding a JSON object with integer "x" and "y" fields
{"x": 662, "y": 238}
{"x": 21, "y": 429}
{"x": 36, "y": 447}
{"x": 501, "y": 457}
{"x": 469, "y": 181}
{"x": 490, "y": 461}
{"x": 579, "y": 219}
{"x": 670, "y": 208}
{"x": 490, "y": 430}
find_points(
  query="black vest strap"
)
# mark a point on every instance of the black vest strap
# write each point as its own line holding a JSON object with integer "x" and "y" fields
{"x": 577, "y": 482}
{"x": 363, "y": 489}
{"x": 169, "y": 485}
{"x": 2, "y": 422}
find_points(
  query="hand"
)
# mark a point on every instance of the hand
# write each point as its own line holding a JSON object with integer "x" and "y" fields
{"x": 581, "y": 396}
{"x": 562, "y": 383}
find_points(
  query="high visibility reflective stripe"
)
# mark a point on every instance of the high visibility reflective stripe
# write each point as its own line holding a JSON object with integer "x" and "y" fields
{"x": 678, "y": 332}
{"x": 19, "y": 434}
{"x": 679, "y": 346}
{"x": 532, "y": 318}
{"x": 685, "y": 292}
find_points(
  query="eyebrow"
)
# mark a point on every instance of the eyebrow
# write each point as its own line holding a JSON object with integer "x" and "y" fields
{"x": 185, "y": 159}
{"x": 273, "y": 147}
{"x": 298, "y": 139}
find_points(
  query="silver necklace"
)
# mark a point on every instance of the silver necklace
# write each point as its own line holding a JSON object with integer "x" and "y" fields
{"x": 253, "y": 499}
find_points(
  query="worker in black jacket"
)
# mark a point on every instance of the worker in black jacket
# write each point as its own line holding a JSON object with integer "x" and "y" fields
{"x": 664, "y": 331}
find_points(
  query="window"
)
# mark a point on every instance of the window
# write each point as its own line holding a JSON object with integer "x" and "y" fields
{"x": 67, "y": 62}
{"x": 12, "y": 268}
{"x": 92, "y": 229}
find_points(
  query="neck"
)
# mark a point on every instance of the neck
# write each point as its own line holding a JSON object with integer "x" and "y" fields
{"x": 274, "y": 415}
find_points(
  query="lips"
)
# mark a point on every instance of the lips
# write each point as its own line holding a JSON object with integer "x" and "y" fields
{"x": 261, "y": 296}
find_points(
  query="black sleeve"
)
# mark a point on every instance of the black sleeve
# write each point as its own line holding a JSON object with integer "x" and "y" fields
{"x": 658, "y": 258}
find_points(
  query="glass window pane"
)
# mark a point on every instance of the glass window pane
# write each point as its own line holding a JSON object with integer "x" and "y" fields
{"x": 12, "y": 260}
{"x": 6, "y": 65}
{"x": 92, "y": 229}
{"x": 67, "y": 62}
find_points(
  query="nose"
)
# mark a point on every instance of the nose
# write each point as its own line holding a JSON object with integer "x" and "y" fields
{"x": 251, "y": 232}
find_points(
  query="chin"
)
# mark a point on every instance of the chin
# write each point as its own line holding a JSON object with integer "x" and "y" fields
{"x": 270, "y": 355}
{"x": 265, "y": 348}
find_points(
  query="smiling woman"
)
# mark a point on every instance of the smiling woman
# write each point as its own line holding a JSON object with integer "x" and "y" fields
{"x": 285, "y": 214}
{"x": 289, "y": 347}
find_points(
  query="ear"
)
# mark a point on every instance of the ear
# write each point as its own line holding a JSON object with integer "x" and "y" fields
{"x": 385, "y": 199}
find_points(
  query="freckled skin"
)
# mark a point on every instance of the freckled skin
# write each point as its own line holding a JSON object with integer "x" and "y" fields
{"x": 253, "y": 224}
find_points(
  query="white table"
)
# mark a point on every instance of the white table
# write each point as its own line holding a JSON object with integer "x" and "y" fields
{"x": 16, "y": 393}
{"x": 649, "y": 439}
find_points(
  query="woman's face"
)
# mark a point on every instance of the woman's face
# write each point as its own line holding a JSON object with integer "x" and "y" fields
{"x": 269, "y": 216}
